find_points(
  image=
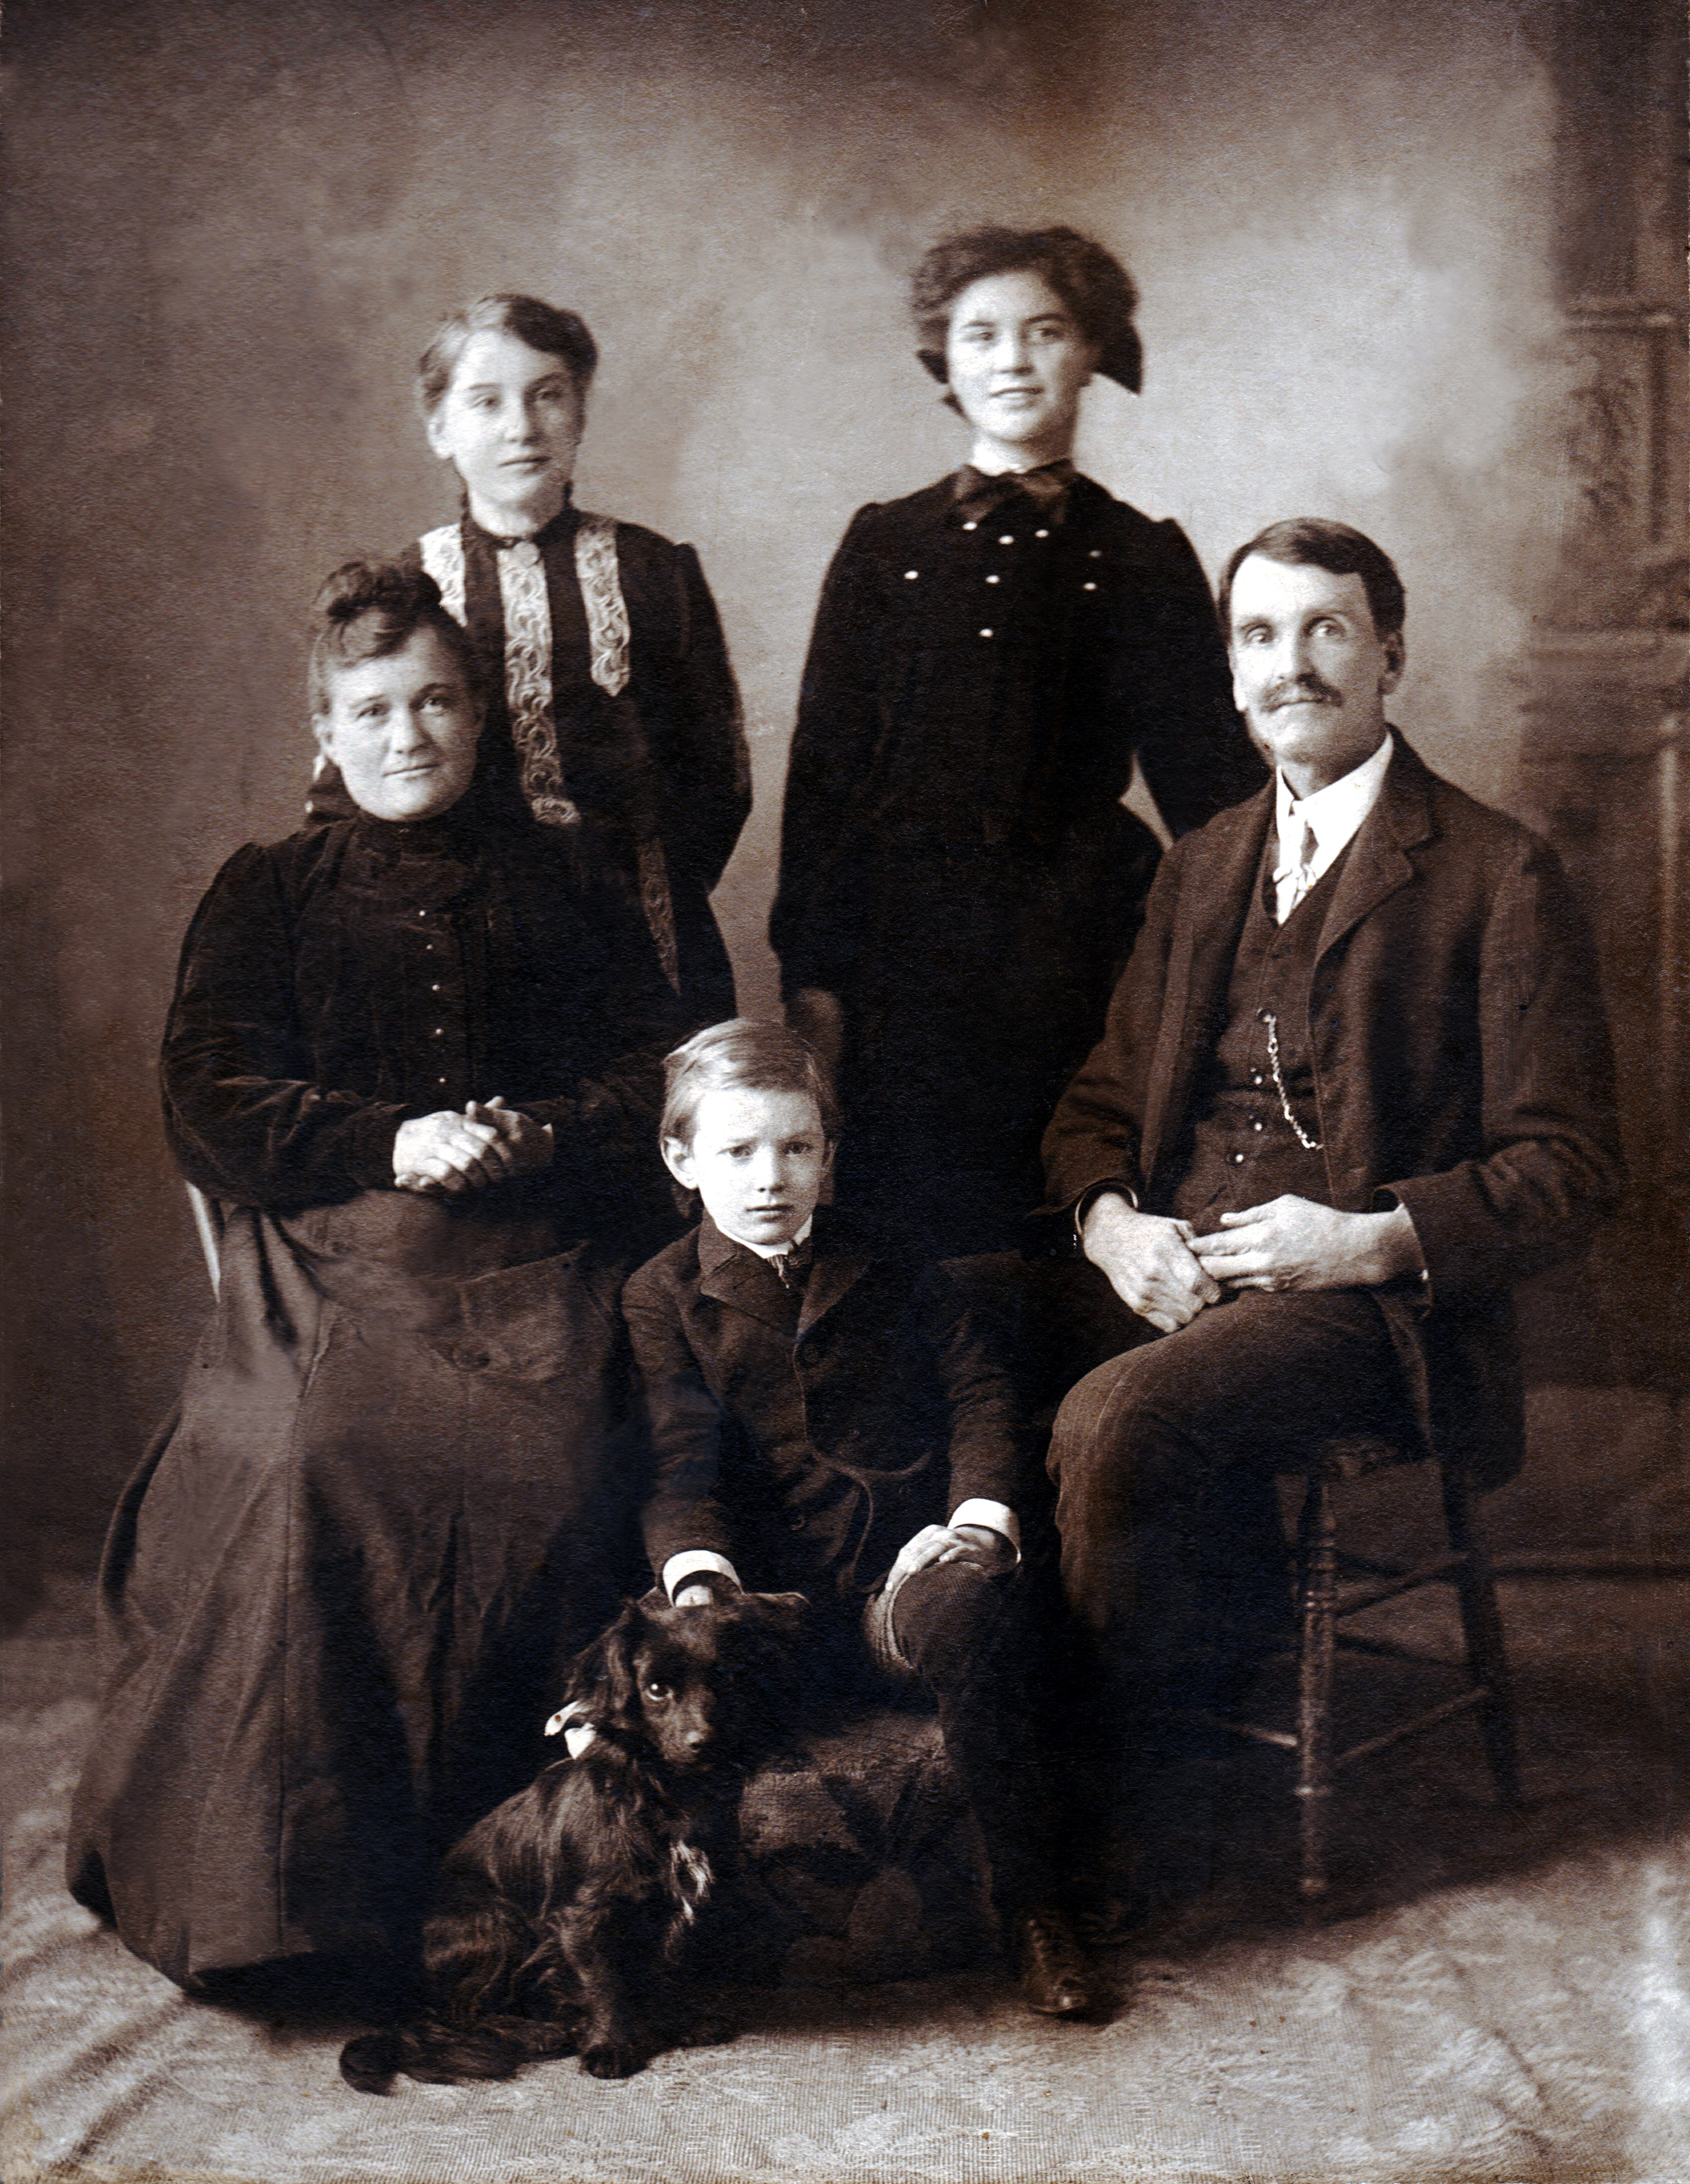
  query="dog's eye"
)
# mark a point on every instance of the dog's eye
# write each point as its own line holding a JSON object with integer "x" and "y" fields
{"x": 657, "y": 1690}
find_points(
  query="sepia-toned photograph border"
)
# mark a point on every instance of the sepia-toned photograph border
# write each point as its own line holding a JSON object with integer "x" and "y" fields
{"x": 677, "y": 1150}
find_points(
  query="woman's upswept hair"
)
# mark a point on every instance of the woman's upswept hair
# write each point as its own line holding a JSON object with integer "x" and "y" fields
{"x": 1316, "y": 542}
{"x": 1095, "y": 287}
{"x": 544, "y": 326}
{"x": 745, "y": 1054}
{"x": 367, "y": 609}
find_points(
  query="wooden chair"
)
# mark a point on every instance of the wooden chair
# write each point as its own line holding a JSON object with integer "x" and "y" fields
{"x": 1331, "y": 1587}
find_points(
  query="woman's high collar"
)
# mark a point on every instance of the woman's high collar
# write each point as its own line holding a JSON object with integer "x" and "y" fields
{"x": 452, "y": 833}
{"x": 561, "y": 525}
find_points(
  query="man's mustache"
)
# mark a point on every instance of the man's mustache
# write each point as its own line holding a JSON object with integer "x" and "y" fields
{"x": 1302, "y": 690}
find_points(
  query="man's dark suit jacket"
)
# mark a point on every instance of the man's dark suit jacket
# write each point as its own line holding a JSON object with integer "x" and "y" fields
{"x": 1462, "y": 1068}
{"x": 806, "y": 1446}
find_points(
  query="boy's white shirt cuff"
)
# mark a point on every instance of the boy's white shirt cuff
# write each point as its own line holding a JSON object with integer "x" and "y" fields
{"x": 679, "y": 1567}
{"x": 996, "y": 1516}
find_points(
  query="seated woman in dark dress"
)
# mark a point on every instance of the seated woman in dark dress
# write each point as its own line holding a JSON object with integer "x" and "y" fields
{"x": 413, "y": 1055}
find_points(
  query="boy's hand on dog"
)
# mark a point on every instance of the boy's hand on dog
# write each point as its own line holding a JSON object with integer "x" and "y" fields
{"x": 952, "y": 1543}
{"x": 701, "y": 1591}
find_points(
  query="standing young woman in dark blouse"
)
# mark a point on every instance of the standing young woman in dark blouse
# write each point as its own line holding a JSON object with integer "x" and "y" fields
{"x": 959, "y": 883}
{"x": 413, "y": 1055}
{"x": 610, "y": 694}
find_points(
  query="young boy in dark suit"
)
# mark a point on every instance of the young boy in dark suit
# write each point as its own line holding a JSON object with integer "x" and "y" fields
{"x": 827, "y": 1420}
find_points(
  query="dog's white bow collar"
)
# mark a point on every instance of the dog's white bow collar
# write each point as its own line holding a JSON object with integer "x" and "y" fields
{"x": 577, "y": 1733}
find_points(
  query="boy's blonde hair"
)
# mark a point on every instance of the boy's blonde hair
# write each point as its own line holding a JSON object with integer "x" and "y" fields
{"x": 750, "y": 1055}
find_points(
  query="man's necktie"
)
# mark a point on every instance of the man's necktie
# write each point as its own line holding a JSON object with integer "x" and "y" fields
{"x": 1303, "y": 873}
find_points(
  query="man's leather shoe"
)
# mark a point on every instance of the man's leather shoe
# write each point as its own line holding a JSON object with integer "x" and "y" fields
{"x": 1054, "y": 1978}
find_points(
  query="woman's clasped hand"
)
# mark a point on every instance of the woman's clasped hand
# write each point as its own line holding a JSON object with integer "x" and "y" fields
{"x": 487, "y": 1143}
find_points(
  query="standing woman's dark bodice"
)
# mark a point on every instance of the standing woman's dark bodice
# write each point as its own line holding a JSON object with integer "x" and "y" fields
{"x": 957, "y": 865}
{"x": 988, "y": 682}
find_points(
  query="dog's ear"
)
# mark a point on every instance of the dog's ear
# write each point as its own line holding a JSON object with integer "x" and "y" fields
{"x": 603, "y": 1678}
{"x": 782, "y": 1614}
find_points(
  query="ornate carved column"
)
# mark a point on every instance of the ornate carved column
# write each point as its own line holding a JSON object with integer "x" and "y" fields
{"x": 1606, "y": 757}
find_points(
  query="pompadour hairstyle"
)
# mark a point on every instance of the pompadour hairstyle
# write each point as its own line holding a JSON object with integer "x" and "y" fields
{"x": 366, "y": 610}
{"x": 1315, "y": 541}
{"x": 1095, "y": 287}
{"x": 746, "y": 1055}
{"x": 544, "y": 326}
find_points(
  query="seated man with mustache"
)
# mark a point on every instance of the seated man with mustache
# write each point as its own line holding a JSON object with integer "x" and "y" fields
{"x": 1355, "y": 1084}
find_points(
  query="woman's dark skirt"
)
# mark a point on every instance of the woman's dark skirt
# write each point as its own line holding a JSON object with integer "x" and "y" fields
{"x": 339, "y": 1593}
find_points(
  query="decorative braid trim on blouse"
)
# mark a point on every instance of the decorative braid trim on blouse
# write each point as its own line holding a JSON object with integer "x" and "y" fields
{"x": 528, "y": 682}
{"x": 601, "y": 591}
{"x": 527, "y": 613}
{"x": 599, "y": 573}
{"x": 659, "y": 905}
{"x": 443, "y": 557}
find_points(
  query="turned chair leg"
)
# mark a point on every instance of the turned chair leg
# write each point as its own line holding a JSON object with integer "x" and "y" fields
{"x": 1482, "y": 1627}
{"x": 1317, "y": 1569}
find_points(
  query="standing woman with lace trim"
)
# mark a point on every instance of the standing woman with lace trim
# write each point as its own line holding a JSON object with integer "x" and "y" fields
{"x": 611, "y": 699}
{"x": 959, "y": 883}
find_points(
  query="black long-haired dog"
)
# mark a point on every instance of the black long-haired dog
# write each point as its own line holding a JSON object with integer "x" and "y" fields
{"x": 559, "y": 1921}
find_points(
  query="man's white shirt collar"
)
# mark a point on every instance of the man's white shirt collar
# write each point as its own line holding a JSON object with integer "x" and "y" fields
{"x": 1335, "y": 814}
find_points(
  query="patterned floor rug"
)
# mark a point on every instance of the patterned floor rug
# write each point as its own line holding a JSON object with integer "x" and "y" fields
{"x": 1492, "y": 2001}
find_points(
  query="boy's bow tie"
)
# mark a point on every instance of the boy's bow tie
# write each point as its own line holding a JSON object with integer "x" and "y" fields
{"x": 791, "y": 1267}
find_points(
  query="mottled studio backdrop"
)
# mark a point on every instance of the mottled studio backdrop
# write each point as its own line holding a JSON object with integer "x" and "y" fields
{"x": 233, "y": 222}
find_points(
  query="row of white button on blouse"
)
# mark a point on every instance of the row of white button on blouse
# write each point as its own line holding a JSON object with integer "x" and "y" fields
{"x": 439, "y": 1029}
{"x": 1007, "y": 538}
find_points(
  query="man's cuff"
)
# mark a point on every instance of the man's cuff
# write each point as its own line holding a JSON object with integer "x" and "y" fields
{"x": 1386, "y": 1200}
{"x": 679, "y": 1567}
{"x": 1089, "y": 1197}
{"x": 995, "y": 1516}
